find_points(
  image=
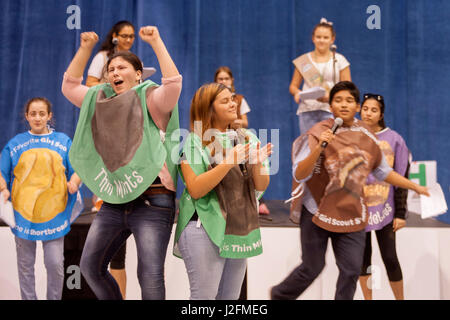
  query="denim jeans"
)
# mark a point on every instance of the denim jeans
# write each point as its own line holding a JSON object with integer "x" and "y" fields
{"x": 54, "y": 264}
{"x": 348, "y": 250}
{"x": 210, "y": 276}
{"x": 150, "y": 220}
{"x": 308, "y": 119}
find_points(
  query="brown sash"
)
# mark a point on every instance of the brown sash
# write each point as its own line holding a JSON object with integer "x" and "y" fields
{"x": 311, "y": 75}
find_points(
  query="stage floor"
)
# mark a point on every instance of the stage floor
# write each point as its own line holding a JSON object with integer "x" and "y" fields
{"x": 279, "y": 217}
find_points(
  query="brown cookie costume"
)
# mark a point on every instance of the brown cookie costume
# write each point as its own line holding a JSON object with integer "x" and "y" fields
{"x": 237, "y": 198}
{"x": 339, "y": 213}
{"x": 339, "y": 176}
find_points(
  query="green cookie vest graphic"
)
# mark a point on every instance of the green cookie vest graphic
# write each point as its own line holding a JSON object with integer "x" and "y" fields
{"x": 228, "y": 213}
{"x": 117, "y": 150}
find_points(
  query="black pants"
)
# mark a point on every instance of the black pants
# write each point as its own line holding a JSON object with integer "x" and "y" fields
{"x": 348, "y": 250}
{"x": 118, "y": 260}
{"x": 386, "y": 242}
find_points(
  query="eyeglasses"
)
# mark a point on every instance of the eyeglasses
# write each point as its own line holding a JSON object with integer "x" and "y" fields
{"x": 125, "y": 36}
{"x": 374, "y": 96}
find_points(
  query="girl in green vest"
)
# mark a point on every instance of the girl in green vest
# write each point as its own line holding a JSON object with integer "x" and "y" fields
{"x": 123, "y": 144}
{"x": 223, "y": 170}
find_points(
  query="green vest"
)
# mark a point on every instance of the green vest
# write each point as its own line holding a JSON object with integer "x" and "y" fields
{"x": 117, "y": 150}
{"x": 209, "y": 210}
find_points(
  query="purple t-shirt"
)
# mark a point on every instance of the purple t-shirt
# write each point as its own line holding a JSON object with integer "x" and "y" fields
{"x": 379, "y": 195}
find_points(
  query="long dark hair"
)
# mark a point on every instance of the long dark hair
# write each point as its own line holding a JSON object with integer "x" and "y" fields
{"x": 107, "y": 44}
{"x": 378, "y": 98}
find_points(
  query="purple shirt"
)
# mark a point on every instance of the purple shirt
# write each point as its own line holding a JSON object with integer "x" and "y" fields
{"x": 379, "y": 195}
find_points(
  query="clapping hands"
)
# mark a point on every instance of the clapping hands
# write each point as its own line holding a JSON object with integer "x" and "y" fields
{"x": 259, "y": 155}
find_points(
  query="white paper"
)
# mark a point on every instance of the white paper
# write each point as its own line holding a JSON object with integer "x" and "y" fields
{"x": 435, "y": 204}
{"x": 147, "y": 72}
{"x": 428, "y": 171}
{"x": 312, "y": 93}
{"x": 7, "y": 212}
{"x": 78, "y": 207}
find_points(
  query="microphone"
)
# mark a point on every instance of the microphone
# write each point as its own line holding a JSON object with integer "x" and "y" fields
{"x": 241, "y": 165}
{"x": 333, "y": 48}
{"x": 232, "y": 135}
{"x": 115, "y": 42}
{"x": 337, "y": 123}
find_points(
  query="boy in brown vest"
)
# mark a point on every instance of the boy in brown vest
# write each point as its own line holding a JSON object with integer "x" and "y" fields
{"x": 332, "y": 177}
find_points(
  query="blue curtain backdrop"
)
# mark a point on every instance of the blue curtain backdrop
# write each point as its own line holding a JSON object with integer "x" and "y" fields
{"x": 407, "y": 60}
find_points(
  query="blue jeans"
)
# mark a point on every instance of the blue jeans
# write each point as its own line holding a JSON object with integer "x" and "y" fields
{"x": 307, "y": 119}
{"x": 150, "y": 220}
{"x": 54, "y": 264}
{"x": 210, "y": 276}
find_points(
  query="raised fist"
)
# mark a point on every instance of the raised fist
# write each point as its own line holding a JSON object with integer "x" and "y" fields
{"x": 88, "y": 40}
{"x": 149, "y": 34}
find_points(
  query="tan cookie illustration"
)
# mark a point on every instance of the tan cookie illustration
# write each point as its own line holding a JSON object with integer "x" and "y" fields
{"x": 376, "y": 193}
{"x": 347, "y": 169}
{"x": 39, "y": 190}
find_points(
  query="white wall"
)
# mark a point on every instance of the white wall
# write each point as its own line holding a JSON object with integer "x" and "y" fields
{"x": 423, "y": 255}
